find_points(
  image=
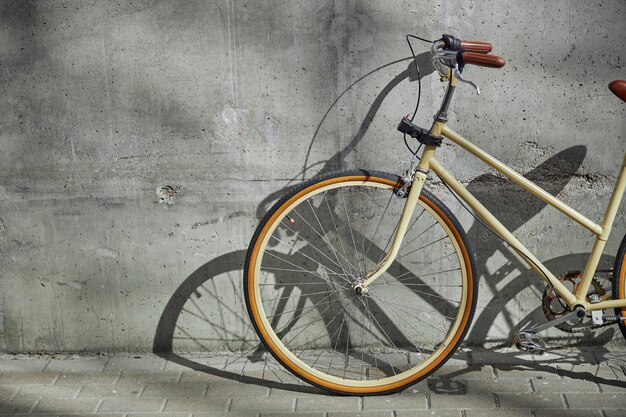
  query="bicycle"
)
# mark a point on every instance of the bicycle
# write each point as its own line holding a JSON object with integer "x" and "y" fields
{"x": 363, "y": 282}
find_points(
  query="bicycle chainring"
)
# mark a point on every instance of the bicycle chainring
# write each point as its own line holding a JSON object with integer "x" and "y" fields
{"x": 555, "y": 307}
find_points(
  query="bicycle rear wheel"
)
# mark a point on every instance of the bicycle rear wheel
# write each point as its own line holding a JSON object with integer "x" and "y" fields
{"x": 317, "y": 243}
{"x": 619, "y": 283}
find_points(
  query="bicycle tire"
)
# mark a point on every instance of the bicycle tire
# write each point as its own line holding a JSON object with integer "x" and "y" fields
{"x": 373, "y": 361}
{"x": 618, "y": 286}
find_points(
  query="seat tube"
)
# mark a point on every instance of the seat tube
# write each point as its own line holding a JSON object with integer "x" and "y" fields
{"x": 607, "y": 224}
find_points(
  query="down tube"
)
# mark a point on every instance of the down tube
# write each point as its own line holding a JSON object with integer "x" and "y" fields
{"x": 502, "y": 231}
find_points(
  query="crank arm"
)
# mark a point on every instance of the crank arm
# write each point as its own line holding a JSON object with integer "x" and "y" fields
{"x": 576, "y": 314}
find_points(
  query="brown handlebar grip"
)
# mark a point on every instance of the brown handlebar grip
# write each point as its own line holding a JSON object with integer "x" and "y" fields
{"x": 484, "y": 60}
{"x": 476, "y": 46}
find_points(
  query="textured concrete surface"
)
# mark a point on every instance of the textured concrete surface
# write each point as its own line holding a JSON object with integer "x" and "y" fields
{"x": 565, "y": 384}
{"x": 141, "y": 142}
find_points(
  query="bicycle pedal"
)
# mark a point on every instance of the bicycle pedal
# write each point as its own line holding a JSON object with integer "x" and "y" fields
{"x": 530, "y": 342}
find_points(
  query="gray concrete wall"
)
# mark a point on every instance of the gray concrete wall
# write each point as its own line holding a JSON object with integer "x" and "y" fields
{"x": 142, "y": 141}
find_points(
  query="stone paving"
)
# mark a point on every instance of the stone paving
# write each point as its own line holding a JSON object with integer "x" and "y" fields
{"x": 474, "y": 384}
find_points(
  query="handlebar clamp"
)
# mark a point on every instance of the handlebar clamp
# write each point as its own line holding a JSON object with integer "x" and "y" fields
{"x": 451, "y": 43}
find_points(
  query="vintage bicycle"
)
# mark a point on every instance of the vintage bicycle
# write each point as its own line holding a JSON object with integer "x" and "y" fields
{"x": 363, "y": 282}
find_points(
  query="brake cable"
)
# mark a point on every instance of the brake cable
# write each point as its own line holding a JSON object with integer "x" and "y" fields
{"x": 419, "y": 87}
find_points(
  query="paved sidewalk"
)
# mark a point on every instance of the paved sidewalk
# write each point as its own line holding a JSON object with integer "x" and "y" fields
{"x": 474, "y": 384}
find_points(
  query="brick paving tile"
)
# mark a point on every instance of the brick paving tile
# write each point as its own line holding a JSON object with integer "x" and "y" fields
{"x": 573, "y": 357}
{"x": 388, "y": 413}
{"x": 299, "y": 391}
{"x": 612, "y": 386}
{"x": 303, "y": 414}
{"x": 525, "y": 372}
{"x": 276, "y": 375}
{"x": 21, "y": 406}
{"x": 8, "y": 391}
{"x": 38, "y": 378}
{"x": 395, "y": 402}
{"x": 497, "y": 413}
{"x": 199, "y": 376}
{"x": 609, "y": 401}
{"x": 83, "y": 415}
{"x": 549, "y": 386}
{"x": 230, "y": 388}
{"x": 530, "y": 401}
{"x": 459, "y": 402}
{"x": 222, "y": 414}
{"x": 141, "y": 364}
{"x": 155, "y": 415}
{"x": 127, "y": 405}
{"x": 88, "y": 378}
{"x": 250, "y": 404}
{"x": 327, "y": 403}
{"x": 497, "y": 358}
{"x": 428, "y": 413}
{"x": 110, "y": 391}
{"x": 149, "y": 377}
{"x": 199, "y": 405}
{"x": 77, "y": 365}
{"x": 48, "y": 391}
{"x": 66, "y": 406}
{"x": 241, "y": 365}
{"x": 568, "y": 413}
{"x": 23, "y": 365}
{"x": 418, "y": 388}
{"x": 446, "y": 386}
{"x": 184, "y": 390}
{"x": 465, "y": 372}
{"x": 186, "y": 364}
{"x": 499, "y": 386}
{"x": 585, "y": 371}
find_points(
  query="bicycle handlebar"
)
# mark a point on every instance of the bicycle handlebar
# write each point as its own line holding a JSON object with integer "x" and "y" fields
{"x": 452, "y": 43}
{"x": 477, "y": 58}
{"x": 450, "y": 50}
{"x": 476, "y": 46}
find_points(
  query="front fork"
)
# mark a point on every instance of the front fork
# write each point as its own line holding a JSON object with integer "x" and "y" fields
{"x": 419, "y": 177}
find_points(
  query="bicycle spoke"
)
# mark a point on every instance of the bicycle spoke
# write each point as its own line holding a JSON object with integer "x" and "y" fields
{"x": 325, "y": 237}
{"x": 401, "y": 307}
{"x": 304, "y": 270}
{"x": 382, "y": 216}
{"x": 303, "y": 309}
{"x": 414, "y": 328}
{"x": 267, "y": 268}
{"x": 313, "y": 246}
{"x": 356, "y": 252}
{"x": 425, "y": 246}
{"x": 417, "y": 237}
{"x": 422, "y": 292}
{"x": 386, "y": 335}
{"x": 391, "y": 306}
{"x": 343, "y": 249}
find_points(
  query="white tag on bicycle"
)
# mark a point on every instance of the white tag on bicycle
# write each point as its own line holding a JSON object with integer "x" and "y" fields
{"x": 596, "y": 316}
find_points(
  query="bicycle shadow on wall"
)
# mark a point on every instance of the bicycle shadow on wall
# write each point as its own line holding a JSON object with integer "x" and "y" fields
{"x": 208, "y": 310}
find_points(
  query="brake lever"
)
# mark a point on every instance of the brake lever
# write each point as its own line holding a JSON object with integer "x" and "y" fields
{"x": 457, "y": 74}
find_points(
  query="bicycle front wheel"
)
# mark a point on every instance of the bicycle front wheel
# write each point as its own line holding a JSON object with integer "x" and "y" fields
{"x": 319, "y": 241}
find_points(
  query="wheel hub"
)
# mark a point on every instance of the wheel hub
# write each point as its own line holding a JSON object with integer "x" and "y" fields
{"x": 358, "y": 287}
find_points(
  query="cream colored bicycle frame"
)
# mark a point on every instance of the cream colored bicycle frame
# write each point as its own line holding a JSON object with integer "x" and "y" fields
{"x": 429, "y": 162}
